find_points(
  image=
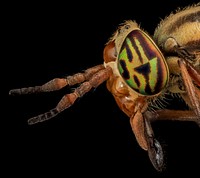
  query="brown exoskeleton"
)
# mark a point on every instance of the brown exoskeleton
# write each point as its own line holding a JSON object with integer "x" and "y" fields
{"x": 140, "y": 70}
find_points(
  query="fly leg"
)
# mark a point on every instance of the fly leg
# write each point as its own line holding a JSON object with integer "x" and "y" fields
{"x": 155, "y": 150}
{"x": 176, "y": 115}
{"x": 144, "y": 134}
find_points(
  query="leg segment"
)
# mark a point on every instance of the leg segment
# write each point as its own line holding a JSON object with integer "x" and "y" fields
{"x": 137, "y": 125}
{"x": 176, "y": 115}
{"x": 190, "y": 88}
{"x": 141, "y": 125}
{"x": 69, "y": 99}
{"x": 155, "y": 151}
{"x": 58, "y": 83}
{"x": 154, "y": 148}
{"x": 145, "y": 137}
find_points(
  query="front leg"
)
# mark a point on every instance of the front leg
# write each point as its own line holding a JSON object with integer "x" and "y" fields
{"x": 155, "y": 151}
{"x": 145, "y": 137}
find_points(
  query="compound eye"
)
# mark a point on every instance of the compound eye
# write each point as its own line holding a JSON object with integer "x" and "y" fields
{"x": 142, "y": 65}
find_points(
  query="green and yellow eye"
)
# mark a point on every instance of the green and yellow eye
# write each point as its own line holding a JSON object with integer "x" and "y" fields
{"x": 142, "y": 65}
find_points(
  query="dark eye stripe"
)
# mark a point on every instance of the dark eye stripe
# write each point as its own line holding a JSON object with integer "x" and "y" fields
{"x": 129, "y": 53}
{"x": 125, "y": 73}
{"x": 136, "y": 48}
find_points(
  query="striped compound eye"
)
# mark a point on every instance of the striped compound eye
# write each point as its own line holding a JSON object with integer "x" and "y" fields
{"x": 142, "y": 65}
